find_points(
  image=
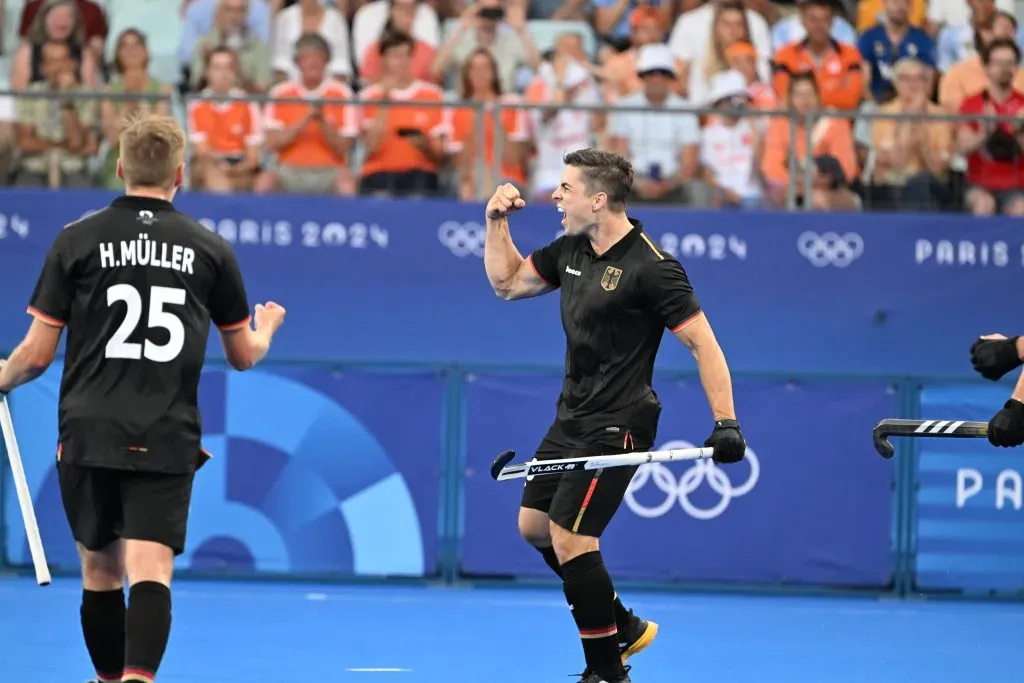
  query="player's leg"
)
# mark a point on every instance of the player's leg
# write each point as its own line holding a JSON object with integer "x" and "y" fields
{"x": 537, "y": 496}
{"x": 635, "y": 633}
{"x": 581, "y": 510}
{"x": 156, "y": 517}
{"x": 92, "y": 502}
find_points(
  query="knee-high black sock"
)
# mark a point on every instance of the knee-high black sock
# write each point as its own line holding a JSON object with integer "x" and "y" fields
{"x": 551, "y": 559}
{"x": 622, "y": 616}
{"x": 103, "y": 628}
{"x": 148, "y": 626}
{"x": 590, "y": 594}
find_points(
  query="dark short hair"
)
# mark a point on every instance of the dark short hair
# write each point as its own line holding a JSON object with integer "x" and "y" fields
{"x": 313, "y": 41}
{"x": 999, "y": 44}
{"x": 393, "y": 39}
{"x": 604, "y": 172}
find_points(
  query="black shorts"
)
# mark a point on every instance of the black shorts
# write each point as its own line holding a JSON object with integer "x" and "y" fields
{"x": 103, "y": 505}
{"x": 583, "y": 502}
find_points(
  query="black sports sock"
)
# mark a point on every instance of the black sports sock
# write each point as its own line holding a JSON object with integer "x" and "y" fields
{"x": 552, "y": 560}
{"x": 590, "y": 594}
{"x": 622, "y": 617}
{"x": 148, "y": 626}
{"x": 102, "y": 615}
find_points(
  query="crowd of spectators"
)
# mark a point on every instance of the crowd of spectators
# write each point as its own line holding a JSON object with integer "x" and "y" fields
{"x": 722, "y": 103}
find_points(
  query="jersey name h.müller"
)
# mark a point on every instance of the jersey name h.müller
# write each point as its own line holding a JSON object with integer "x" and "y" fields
{"x": 146, "y": 252}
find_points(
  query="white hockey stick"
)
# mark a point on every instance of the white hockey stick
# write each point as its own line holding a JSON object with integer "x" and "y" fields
{"x": 501, "y": 470}
{"x": 28, "y": 513}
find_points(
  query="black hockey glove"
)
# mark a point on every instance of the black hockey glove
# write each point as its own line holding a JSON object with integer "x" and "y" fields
{"x": 993, "y": 358}
{"x": 1006, "y": 428}
{"x": 727, "y": 441}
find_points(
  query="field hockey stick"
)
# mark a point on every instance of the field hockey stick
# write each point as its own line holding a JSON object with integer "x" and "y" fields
{"x": 501, "y": 470}
{"x": 946, "y": 429}
{"x": 28, "y": 513}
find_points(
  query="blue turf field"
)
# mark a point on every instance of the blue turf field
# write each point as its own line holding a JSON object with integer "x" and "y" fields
{"x": 272, "y": 633}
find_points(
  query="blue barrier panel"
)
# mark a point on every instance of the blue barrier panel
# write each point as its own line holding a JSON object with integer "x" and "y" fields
{"x": 842, "y": 294}
{"x": 314, "y": 472}
{"x": 969, "y": 530}
{"x": 811, "y": 505}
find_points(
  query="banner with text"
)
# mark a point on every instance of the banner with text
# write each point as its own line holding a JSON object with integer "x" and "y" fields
{"x": 857, "y": 292}
{"x": 969, "y": 524}
{"x": 811, "y": 503}
{"x": 309, "y": 474}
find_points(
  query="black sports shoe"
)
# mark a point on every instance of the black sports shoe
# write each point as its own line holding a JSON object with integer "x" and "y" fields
{"x": 638, "y": 635}
{"x": 589, "y": 676}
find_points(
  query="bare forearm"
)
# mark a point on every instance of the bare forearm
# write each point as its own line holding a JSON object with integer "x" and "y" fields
{"x": 261, "y": 345}
{"x": 501, "y": 258}
{"x": 276, "y": 139}
{"x": 717, "y": 382}
{"x": 19, "y": 369}
{"x": 1018, "y": 390}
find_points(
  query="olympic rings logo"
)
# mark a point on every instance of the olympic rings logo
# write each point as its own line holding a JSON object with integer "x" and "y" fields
{"x": 830, "y": 248}
{"x": 689, "y": 482}
{"x": 463, "y": 239}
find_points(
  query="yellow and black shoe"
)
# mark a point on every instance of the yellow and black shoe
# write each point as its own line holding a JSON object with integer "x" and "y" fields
{"x": 640, "y": 634}
{"x": 589, "y": 676}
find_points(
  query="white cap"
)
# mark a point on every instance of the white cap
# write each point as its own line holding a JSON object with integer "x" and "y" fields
{"x": 656, "y": 57}
{"x": 726, "y": 84}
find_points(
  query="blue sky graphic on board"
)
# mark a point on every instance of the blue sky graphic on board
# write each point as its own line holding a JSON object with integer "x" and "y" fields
{"x": 308, "y": 476}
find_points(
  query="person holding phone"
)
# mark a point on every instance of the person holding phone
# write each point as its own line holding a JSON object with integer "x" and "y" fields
{"x": 487, "y": 24}
{"x": 404, "y": 126}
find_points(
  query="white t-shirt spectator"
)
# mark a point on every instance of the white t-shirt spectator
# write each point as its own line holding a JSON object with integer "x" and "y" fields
{"x": 288, "y": 29}
{"x": 569, "y": 130}
{"x": 369, "y": 20}
{"x": 957, "y": 12}
{"x": 692, "y": 33}
{"x": 728, "y": 154}
{"x": 656, "y": 136}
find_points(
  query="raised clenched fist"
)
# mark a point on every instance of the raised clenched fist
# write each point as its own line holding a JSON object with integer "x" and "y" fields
{"x": 506, "y": 200}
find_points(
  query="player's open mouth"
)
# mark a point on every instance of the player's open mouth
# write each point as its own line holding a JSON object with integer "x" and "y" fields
{"x": 562, "y": 211}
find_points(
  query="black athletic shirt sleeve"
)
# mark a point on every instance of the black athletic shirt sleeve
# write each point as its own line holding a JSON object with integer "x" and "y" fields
{"x": 51, "y": 300}
{"x": 545, "y": 262}
{"x": 229, "y": 305}
{"x": 668, "y": 292}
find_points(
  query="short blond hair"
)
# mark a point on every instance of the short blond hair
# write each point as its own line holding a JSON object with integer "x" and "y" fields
{"x": 152, "y": 150}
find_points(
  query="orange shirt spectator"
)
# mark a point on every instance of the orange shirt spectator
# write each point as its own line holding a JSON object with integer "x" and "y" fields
{"x": 619, "y": 70}
{"x": 833, "y": 137}
{"x": 310, "y": 147}
{"x": 514, "y": 128}
{"x": 742, "y": 57}
{"x": 227, "y": 129}
{"x": 396, "y": 152}
{"x": 838, "y": 72}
